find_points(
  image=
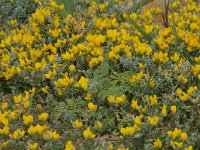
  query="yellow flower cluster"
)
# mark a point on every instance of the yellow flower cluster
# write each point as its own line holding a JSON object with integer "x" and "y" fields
{"x": 43, "y": 116}
{"x": 162, "y": 57}
{"x": 153, "y": 120}
{"x": 33, "y": 146}
{"x": 69, "y": 146}
{"x": 37, "y": 129}
{"x": 51, "y": 135}
{"x": 58, "y": 93}
{"x": 88, "y": 134}
{"x": 129, "y": 130}
{"x": 82, "y": 83}
{"x": 116, "y": 100}
{"x": 78, "y": 123}
{"x": 137, "y": 77}
{"x": 18, "y": 134}
{"x": 177, "y": 133}
{"x": 28, "y": 119}
{"x": 92, "y": 107}
{"x": 62, "y": 83}
{"x": 152, "y": 99}
{"x": 157, "y": 144}
{"x": 186, "y": 96}
{"x": 134, "y": 105}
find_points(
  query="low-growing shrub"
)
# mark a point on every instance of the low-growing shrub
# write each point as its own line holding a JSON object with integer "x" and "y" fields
{"x": 101, "y": 79}
{"x": 16, "y": 9}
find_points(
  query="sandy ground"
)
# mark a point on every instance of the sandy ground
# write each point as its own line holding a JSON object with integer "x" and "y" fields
{"x": 155, "y": 3}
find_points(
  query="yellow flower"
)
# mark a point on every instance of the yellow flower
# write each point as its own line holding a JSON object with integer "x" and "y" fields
{"x": 152, "y": 83}
{"x": 12, "y": 115}
{"x": 133, "y": 16}
{"x": 18, "y": 134}
{"x": 184, "y": 136}
{"x": 121, "y": 99}
{"x": 33, "y": 146}
{"x": 62, "y": 6}
{"x": 173, "y": 108}
{"x": 179, "y": 144}
{"x": 51, "y": 58}
{"x": 122, "y": 148}
{"x": 129, "y": 130}
{"x": 39, "y": 107}
{"x": 4, "y": 121}
{"x": 17, "y": 99}
{"x": 176, "y": 133}
{"x": 169, "y": 133}
{"x": 110, "y": 147}
{"x": 189, "y": 148}
{"x": 92, "y": 107}
{"x": 27, "y": 119}
{"x": 51, "y": 135}
{"x": 179, "y": 92}
{"x": 154, "y": 120}
{"x": 45, "y": 89}
{"x": 134, "y": 105}
{"x": 137, "y": 77}
{"x": 43, "y": 116}
{"x": 141, "y": 66}
{"x": 88, "y": 96}
{"x": 194, "y": 26}
{"x": 99, "y": 124}
{"x": 5, "y": 144}
{"x": 72, "y": 68}
{"x": 175, "y": 58}
{"x": 164, "y": 110}
{"x": 111, "y": 99}
{"x": 138, "y": 120}
{"x": 78, "y": 123}
{"x": 4, "y": 106}
{"x": 38, "y": 129}
{"x": 93, "y": 62}
{"x": 38, "y": 66}
{"x": 185, "y": 97}
{"x": 83, "y": 83}
{"x": 5, "y": 130}
{"x": 69, "y": 146}
{"x": 67, "y": 56}
{"x": 157, "y": 144}
{"x": 153, "y": 99}
{"x": 88, "y": 134}
{"x": 148, "y": 28}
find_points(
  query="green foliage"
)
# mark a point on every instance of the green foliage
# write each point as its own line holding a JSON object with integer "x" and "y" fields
{"x": 102, "y": 72}
{"x": 139, "y": 4}
{"x": 16, "y": 9}
{"x": 68, "y": 6}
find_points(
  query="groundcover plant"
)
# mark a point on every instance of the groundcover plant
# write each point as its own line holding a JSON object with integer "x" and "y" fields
{"x": 101, "y": 78}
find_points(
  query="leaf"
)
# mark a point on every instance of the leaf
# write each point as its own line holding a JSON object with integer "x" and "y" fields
{"x": 68, "y": 6}
{"x": 138, "y": 135}
{"x": 113, "y": 90}
{"x": 57, "y": 111}
{"x": 134, "y": 5}
{"x": 174, "y": 32}
{"x": 102, "y": 71}
{"x": 124, "y": 77}
{"x": 148, "y": 146}
{"x": 145, "y": 2}
{"x": 140, "y": 4}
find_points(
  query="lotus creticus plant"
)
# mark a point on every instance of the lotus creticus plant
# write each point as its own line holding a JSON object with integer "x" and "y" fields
{"x": 101, "y": 78}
